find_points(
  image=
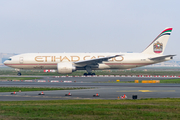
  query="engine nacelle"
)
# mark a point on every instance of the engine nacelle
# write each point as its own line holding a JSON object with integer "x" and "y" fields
{"x": 65, "y": 68}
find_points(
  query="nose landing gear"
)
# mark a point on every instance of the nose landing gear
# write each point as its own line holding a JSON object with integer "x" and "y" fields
{"x": 19, "y": 73}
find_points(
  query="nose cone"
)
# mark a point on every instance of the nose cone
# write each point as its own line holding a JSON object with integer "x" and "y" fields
{"x": 5, "y": 62}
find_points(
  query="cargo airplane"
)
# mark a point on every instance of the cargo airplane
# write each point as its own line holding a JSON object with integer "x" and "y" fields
{"x": 66, "y": 63}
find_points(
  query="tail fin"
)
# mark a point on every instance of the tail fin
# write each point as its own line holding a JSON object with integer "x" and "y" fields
{"x": 159, "y": 43}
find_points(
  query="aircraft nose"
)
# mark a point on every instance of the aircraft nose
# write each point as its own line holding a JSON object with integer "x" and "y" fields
{"x": 8, "y": 61}
{"x": 5, "y": 62}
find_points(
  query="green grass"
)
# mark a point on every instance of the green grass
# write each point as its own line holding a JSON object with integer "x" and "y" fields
{"x": 170, "y": 81}
{"x": 12, "y": 89}
{"x": 19, "y": 78}
{"x": 145, "y": 109}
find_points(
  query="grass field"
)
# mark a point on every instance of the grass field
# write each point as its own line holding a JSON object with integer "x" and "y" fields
{"x": 170, "y": 81}
{"x": 145, "y": 109}
{"x": 19, "y": 78}
{"x": 12, "y": 89}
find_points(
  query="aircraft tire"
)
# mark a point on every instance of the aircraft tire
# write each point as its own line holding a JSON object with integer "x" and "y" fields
{"x": 85, "y": 74}
{"x": 89, "y": 74}
{"x": 19, "y": 74}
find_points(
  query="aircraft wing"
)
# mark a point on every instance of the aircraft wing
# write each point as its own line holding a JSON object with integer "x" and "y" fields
{"x": 94, "y": 61}
{"x": 161, "y": 57}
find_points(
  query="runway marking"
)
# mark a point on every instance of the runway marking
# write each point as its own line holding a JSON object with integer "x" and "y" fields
{"x": 147, "y": 91}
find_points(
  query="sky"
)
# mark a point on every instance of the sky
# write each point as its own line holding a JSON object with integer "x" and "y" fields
{"x": 73, "y": 26}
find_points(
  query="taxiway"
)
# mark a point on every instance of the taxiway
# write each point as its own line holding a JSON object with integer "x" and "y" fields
{"x": 101, "y": 85}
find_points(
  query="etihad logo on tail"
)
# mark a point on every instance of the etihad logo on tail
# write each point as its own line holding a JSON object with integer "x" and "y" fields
{"x": 158, "y": 47}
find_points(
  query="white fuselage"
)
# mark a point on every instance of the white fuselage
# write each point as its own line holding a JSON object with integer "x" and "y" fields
{"x": 50, "y": 60}
{"x": 70, "y": 62}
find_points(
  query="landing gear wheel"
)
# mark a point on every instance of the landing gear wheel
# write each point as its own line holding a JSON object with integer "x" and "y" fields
{"x": 19, "y": 74}
{"x": 93, "y": 74}
{"x": 89, "y": 74}
{"x": 85, "y": 74}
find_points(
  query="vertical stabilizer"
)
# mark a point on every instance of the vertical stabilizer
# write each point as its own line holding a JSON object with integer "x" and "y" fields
{"x": 158, "y": 45}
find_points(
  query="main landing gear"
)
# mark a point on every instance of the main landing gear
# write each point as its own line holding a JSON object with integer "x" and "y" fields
{"x": 89, "y": 70}
{"x": 85, "y": 74}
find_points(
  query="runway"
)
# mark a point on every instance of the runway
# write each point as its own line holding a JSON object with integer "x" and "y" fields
{"x": 95, "y": 85}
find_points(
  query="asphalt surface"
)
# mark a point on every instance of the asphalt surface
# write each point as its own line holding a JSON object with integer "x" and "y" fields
{"x": 101, "y": 85}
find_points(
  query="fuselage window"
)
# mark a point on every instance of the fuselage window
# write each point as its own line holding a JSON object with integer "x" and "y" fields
{"x": 10, "y": 59}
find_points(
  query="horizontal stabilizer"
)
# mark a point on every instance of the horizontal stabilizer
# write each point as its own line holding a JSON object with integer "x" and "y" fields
{"x": 161, "y": 57}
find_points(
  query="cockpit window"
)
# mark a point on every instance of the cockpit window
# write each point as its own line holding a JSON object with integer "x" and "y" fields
{"x": 9, "y": 59}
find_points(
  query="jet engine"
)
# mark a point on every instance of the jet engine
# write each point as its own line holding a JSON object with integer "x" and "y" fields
{"x": 65, "y": 68}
